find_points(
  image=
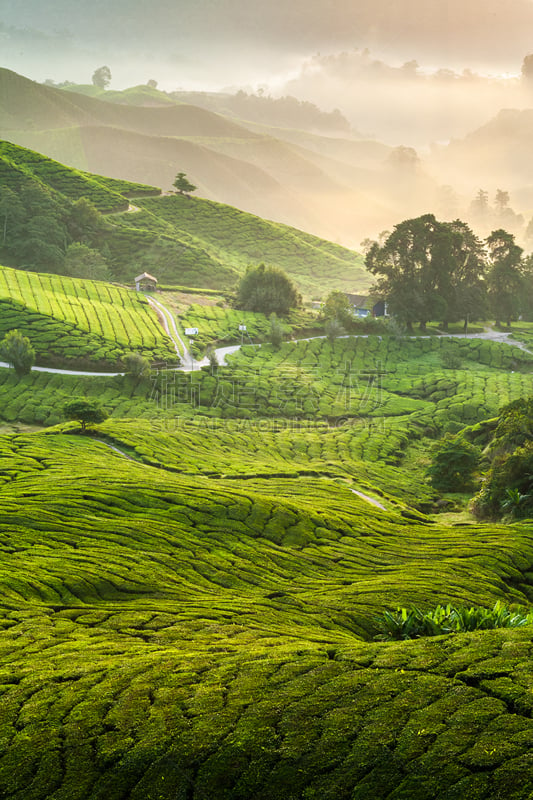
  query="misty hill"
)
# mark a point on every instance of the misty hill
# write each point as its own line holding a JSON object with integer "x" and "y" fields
{"x": 186, "y": 241}
{"x": 495, "y": 156}
{"x": 320, "y": 188}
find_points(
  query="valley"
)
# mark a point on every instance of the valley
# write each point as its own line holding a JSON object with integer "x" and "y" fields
{"x": 209, "y": 593}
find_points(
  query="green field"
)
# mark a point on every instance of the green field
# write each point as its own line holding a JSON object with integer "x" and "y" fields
{"x": 192, "y": 594}
{"x": 80, "y": 322}
{"x": 169, "y": 630}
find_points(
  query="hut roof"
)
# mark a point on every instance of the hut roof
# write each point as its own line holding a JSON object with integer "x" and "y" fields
{"x": 145, "y": 277}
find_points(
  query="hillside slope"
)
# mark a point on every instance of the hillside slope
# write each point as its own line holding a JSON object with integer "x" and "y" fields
{"x": 185, "y": 241}
{"x": 80, "y": 322}
{"x": 265, "y": 174}
{"x": 170, "y": 636}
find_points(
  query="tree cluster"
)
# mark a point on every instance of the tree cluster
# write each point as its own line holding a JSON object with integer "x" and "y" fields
{"x": 431, "y": 270}
{"x": 38, "y": 231}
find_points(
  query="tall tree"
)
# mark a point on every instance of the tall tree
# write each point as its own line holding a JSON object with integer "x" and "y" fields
{"x": 410, "y": 265}
{"x": 183, "y": 185}
{"x": 505, "y": 278}
{"x": 102, "y": 77}
{"x": 464, "y": 277}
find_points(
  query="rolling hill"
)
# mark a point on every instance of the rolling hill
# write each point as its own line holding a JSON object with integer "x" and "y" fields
{"x": 186, "y": 241}
{"x": 315, "y": 188}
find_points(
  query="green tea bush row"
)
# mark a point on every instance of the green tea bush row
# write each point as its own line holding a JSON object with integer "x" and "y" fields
{"x": 80, "y": 319}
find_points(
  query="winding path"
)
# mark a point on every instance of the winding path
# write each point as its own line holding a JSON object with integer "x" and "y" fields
{"x": 190, "y": 364}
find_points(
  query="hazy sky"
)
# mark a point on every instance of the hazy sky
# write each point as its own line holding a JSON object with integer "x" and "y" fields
{"x": 185, "y": 42}
{"x": 310, "y": 48}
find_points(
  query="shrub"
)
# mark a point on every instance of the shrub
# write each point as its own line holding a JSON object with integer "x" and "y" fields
{"x": 267, "y": 289}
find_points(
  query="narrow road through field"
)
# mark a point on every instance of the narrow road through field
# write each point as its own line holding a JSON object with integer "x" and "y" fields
{"x": 368, "y": 499}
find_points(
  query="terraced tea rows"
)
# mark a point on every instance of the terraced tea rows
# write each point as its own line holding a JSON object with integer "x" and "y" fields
{"x": 222, "y": 325}
{"x": 79, "y": 320}
{"x": 234, "y": 237}
{"x": 358, "y": 377}
{"x": 17, "y": 163}
{"x": 167, "y": 635}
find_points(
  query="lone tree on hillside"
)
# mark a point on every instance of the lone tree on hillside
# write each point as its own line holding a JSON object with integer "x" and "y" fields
{"x": 18, "y": 351}
{"x": 267, "y": 289}
{"x": 183, "y": 185}
{"x": 102, "y": 77}
{"x": 84, "y": 411}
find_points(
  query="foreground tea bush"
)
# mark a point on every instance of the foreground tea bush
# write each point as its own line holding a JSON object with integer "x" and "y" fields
{"x": 168, "y": 635}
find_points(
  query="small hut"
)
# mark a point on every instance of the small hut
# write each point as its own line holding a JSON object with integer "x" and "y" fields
{"x": 146, "y": 281}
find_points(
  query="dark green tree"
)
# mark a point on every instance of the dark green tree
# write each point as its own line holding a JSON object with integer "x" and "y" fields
{"x": 461, "y": 279}
{"x": 334, "y": 329}
{"x": 183, "y": 185}
{"x": 410, "y": 265}
{"x": 84, "y": 411}
{"x": 267, "y": 289}
{"x": 17, "y": 350}
{"x": 508, "y": 485}
{"x": 505, "y": 277}
{"x": 136, "y": 365}
{"x": 276, "y": 331}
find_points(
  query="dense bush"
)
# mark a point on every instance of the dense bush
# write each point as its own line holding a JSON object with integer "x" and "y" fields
{"x": 267, "y": 289}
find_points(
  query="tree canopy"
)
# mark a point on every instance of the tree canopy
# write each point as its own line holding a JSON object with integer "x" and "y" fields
{"x": 431, "y": 270}
{"x": 267, "y": 289}
{"x": 84, "y": 411}
{"x": 102, "y": 77}
{"x": 183, "y": 185}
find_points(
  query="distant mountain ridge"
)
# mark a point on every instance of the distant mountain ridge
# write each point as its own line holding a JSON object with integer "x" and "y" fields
{"x": 337, "y": 189}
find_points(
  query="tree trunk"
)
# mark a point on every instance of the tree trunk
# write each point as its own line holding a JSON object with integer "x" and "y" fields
{"x": 409, "y": 326}
{"x": 423, "y": 326}
{"x": 444, "y": 325}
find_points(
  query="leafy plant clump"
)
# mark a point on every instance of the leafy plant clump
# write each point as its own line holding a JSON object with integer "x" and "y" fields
{"x": 413, "y": 623}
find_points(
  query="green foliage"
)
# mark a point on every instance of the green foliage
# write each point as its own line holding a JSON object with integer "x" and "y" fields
{"x": 429, "y": 270}
{"x": 101, "y": 77}
{"x": 138, "y": 366}
{"x": 505, "y": 277}
{"x": 413, "y": 623}
{"x": 84, "y": 411}
{"x": 17, "y": 350}
{"x": 337, "y": 307}
{"x": 267, "y": 289}
{"x": 276, "y": 331}
{"x": 454, "y": 462}
{"x": 334, "y": 329}
{"x": 508, "y": 486}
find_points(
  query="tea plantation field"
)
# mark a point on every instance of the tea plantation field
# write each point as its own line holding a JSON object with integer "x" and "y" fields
{"x": 75, "y": 321}
{"x": 174, "y": 635}
{"x": 190, "y": 595}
